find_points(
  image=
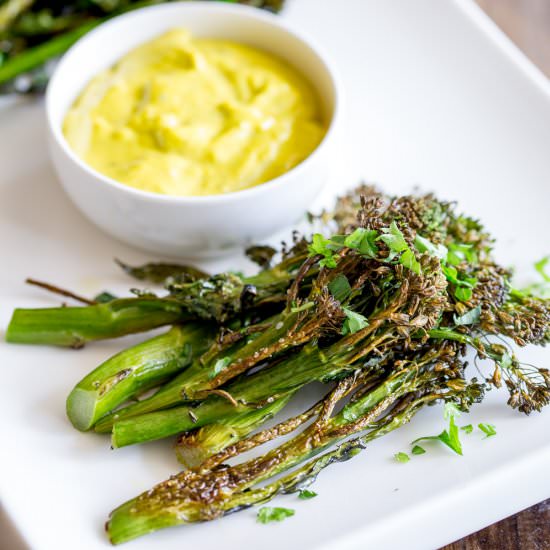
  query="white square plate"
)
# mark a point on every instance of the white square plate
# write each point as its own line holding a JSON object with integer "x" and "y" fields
{"x": 436, "y": 96}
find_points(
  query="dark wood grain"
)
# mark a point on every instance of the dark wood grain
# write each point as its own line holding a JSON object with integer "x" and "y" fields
{"x": 528, "y": 530}
{"x": 527, "y": 23}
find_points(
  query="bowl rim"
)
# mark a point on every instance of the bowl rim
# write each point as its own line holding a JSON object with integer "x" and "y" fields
{"x": 222, "y": 7}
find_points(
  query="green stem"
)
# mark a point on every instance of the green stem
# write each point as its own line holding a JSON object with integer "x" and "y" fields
{"x": 38, "y": 55}
{"x": 134, "y": 370}
{"x": 34, "y": 57}
{"x": 167, "y": 396}
{"x": 74, "y": 326}
{"x": 306, "y": 474}
{"x": 150, "y": 511}
{"x": 307, "y": 366}
{"x": 164, "y": 423}
{"x": 194, "y": 448}
{"x": 310, "y": 364}
{"x": 11, "y": 10}
{"x": 173, "y": 393}
{"x": 201, "y": 376}
{"x": 445, "y": 333}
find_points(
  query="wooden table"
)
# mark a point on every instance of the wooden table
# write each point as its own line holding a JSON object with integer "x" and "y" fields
{"x": 527, "y": 23}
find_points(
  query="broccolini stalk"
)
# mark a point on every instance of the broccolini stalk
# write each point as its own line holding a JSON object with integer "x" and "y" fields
{"x": 33, "y": 34}
{"x": 304, "y": 476}
{"x": 193, "y": 448}
{"x": 245, "y": 396}
{"x": 173, "y": 393}
{"x": 74, "y": 326}
{"x": 385, "y": 327}
{"x": 528, "y": 385}
{"x": 184, "y": 499}
{"x": 10, "y": 10}
{"x": 163, "y": 273}
{"x": 211, "y": 370}
{"x": 141, "y": 516}
{"x": 318, "y": 315}
{"x": 322, "y": 410}
{"x": 291, "y": 328}
{"x": 38, "y": 55}
{"x": 189, "y": 503}
{"x": 218, "y": 298}
{"x": 134, "y": 370}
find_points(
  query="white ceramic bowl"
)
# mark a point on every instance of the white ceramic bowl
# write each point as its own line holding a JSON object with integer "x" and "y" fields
{"x": 189, "y": 226}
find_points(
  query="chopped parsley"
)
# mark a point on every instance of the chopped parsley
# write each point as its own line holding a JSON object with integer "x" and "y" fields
{"x": 450, "y": 410}
{"x": 408, "y": 260}
{"x": 340, "y": 288}
{"x": 468, "y": 429}
{"x": 322, "y": 246}
{"x": 267, "y": 514}
{"x": 418, "y": 450}
{"x": 458, "y": 253}
{"x": 424, "y": 245}
{"x": 449, "y": 437}
{"x": 401, "y": 457}
{"x": 306, "y": 494}
{"x": 354, "y": 321}
{"x": 488, "y": 429}
{"x": 471, "y": 317}
{"x": 540, "y": 266}
{"x": 463, "y": 285}
{"x": 395, "y": 241}
{"x": 463, "y": 293}
{"x": 364, "y": 241}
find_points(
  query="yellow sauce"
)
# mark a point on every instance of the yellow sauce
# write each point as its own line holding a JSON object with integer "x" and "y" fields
{"x": 191, "y": 116}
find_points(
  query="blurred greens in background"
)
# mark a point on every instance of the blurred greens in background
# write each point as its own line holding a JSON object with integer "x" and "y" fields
{"x": 34, "y": 33}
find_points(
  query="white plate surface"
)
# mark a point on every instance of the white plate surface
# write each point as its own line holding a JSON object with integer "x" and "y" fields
{"x": 435, "y": 97}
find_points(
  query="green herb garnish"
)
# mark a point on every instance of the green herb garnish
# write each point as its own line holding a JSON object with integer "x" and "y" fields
{"x": 395, "y": 241}
{"x": 354, "y": 322}
{"x": 471, "y": 317}
{"x": 364, "y": 241}
{"x": 340, "y": 288}
{"x": 321, "y": 246}
{"x": 424, "y": 245}
{"x": 268, "y": 514}
{"x": 488, "y": 429}
{"x": 448, "y": 437}
{"x": 463, "y": 285}
{"x": 418, "y": 450}
{"x": 540, "y": 267}
{"x": 459, "y": 252}
{"x": 401, "y": 457}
